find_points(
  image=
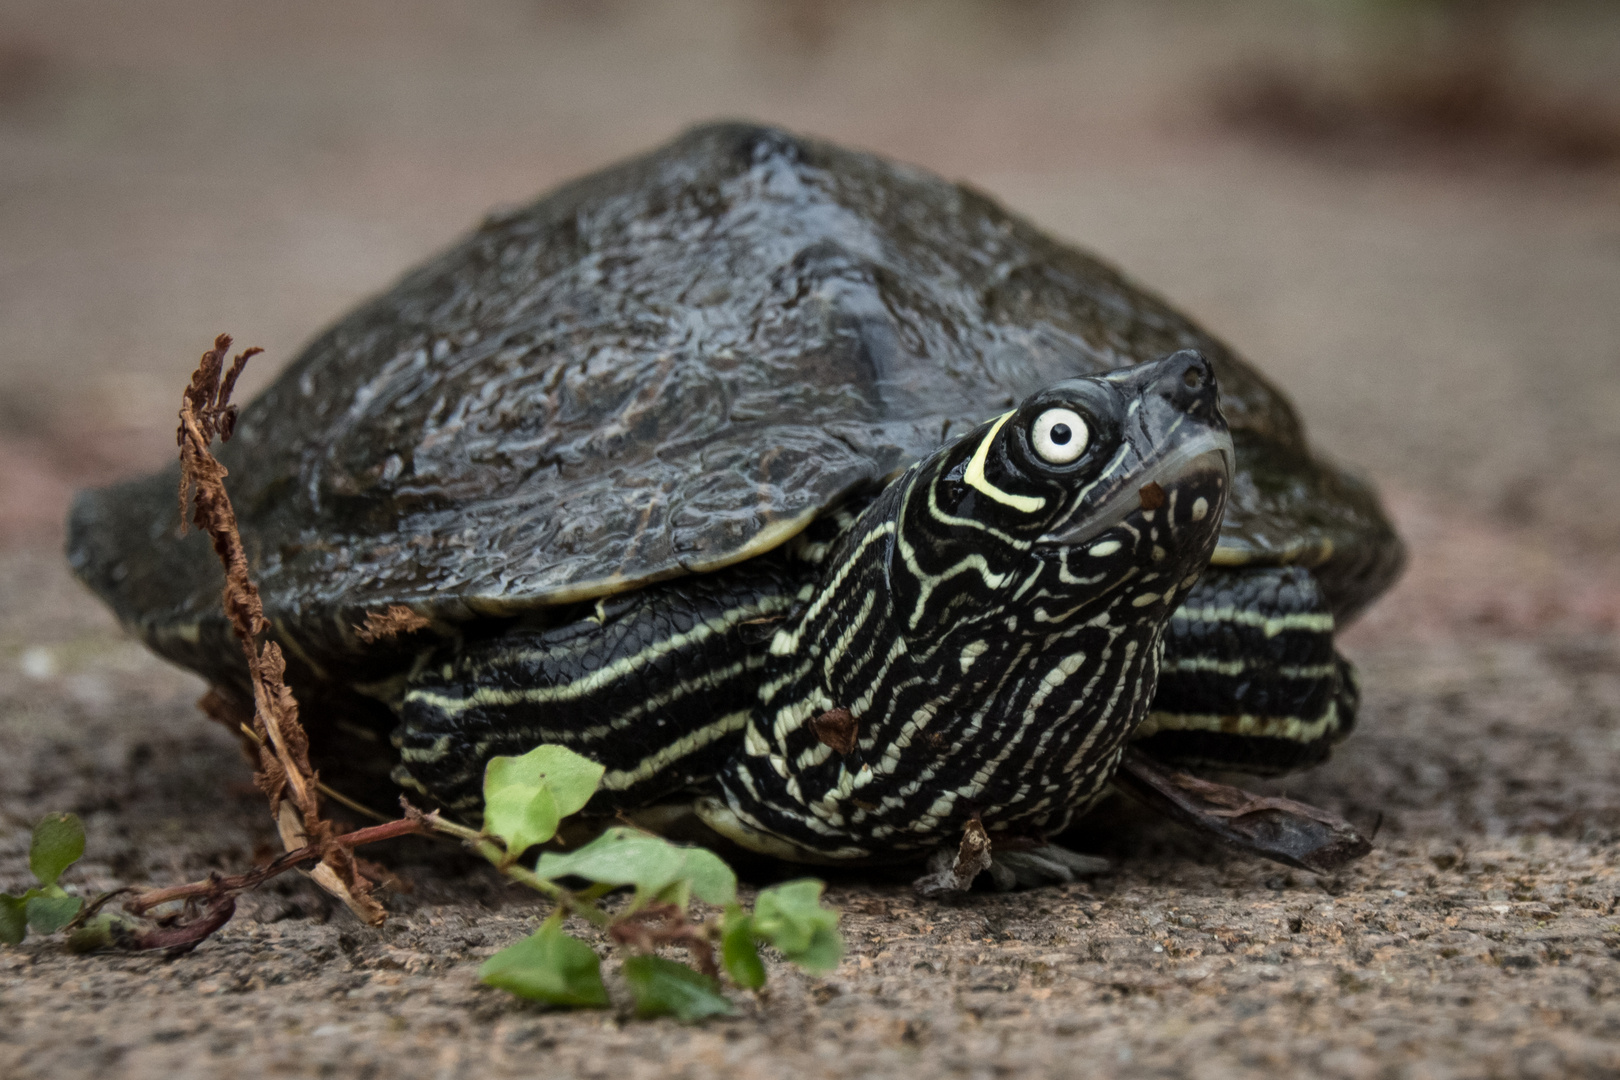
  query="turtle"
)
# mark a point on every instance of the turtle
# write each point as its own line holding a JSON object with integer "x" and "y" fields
{"x": 805, "y": 491}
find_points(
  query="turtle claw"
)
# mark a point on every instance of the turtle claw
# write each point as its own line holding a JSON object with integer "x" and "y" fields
{"x": 953, "y": 870}
{"x": 1048, "y": 864}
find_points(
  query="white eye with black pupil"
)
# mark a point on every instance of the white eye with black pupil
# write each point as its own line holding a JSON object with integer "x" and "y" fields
{"x": 1059, "y": 436}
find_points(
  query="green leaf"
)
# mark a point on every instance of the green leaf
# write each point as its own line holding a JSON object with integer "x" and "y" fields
{"x": 526, "y": 797}
{"x": 739, "y": 955}
{"x": 13, "y": 918}
{"x": 791, "y": 917}
{"x": 521, "y": 817}
{"x": 664, "y": 988}
{"x": 786, "y": 915}
{"x": 549, "y": 966}
{"x": 622, "y": 856}
{"x": 825, "y": 951}
{"x": 50, "y": 909}
{"x": 58, "y": 843}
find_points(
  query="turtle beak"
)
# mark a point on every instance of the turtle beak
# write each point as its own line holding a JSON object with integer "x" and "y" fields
{"x": 1175, "y": 451}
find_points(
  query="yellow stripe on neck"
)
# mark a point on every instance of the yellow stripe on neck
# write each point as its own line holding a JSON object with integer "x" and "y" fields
{"x": 974, "y": 477}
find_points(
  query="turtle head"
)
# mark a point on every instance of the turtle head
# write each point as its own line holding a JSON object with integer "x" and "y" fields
{"x": 1128, "y": 469}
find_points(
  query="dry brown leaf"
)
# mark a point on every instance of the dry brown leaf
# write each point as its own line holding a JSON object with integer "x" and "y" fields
{"x": 1289, "y": 832}
{"x": 836, "y": 728}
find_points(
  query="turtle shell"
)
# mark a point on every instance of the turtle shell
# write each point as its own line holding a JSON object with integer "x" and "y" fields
{"x": 668, "y": 367}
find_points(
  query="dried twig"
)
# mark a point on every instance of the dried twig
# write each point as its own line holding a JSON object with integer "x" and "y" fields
{"x": 216, "y": 886}
{"x": 182, "y": 937}
{"x": 284, "y": 772}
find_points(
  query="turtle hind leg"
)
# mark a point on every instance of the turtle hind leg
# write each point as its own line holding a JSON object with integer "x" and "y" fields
{"x": 654, "y": 685}
{"x": 1250, "y": 680}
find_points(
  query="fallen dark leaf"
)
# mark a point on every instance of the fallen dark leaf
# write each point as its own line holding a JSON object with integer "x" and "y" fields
{"x": 1283, "y": 830}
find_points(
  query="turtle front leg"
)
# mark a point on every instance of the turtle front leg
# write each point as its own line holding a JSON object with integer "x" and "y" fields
{"x": 1046, "y": 864}
{"x": 1015, "y": 865}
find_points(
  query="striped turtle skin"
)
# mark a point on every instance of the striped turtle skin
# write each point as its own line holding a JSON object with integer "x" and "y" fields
{"x": 610, "y": 444}
{"x": 991, "y": 624}
{"x": 986, "y": 631}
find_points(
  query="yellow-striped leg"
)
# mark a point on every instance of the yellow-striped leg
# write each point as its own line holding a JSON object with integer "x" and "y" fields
{"x": 655, "y": 685}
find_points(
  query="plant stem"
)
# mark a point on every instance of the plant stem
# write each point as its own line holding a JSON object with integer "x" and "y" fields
{"x": 497, "y": 857}
{"x": 218, "y": 885}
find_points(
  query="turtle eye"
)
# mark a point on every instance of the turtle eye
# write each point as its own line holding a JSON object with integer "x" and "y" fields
{"x": 1059, "y": 436}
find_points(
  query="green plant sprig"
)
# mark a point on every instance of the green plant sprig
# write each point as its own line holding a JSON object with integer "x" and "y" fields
{"x": 525, "y": 800}
{"x": 57, "y": 843}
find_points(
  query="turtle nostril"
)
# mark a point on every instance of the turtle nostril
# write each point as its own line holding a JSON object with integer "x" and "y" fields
{"x": 1193, "y": 377}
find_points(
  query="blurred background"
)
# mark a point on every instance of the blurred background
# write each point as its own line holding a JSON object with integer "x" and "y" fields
{"x": 1406, "y": 211}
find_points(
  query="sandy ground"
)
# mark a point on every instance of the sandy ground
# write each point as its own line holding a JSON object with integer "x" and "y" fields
{"x": 192, "y": 168}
